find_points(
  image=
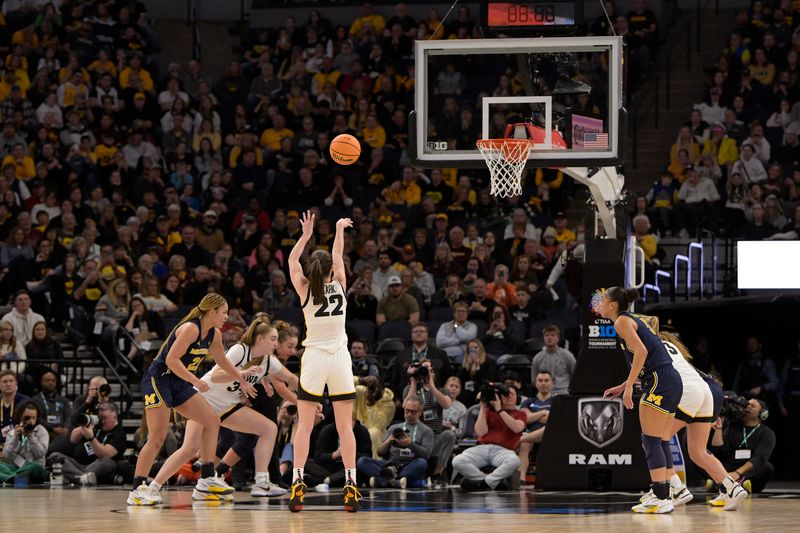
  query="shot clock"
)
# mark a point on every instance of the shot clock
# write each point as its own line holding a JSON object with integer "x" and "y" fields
{"x": 520, "y": 16}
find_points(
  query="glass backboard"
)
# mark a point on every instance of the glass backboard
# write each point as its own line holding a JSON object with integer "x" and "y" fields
{"x": 569, "y": 88}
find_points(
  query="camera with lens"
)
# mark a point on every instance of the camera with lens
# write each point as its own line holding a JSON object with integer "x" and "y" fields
{"x": 104, "y": 389}
{"x": 420, "y": 372}
{"x": 291, "y": 409}
{"x": 27, "y": 428}
{"x": 490, "y": 392}
{"x": 86, "y": 420}
{"x": 399, "y": 433}
{"x": 733, "y": 405}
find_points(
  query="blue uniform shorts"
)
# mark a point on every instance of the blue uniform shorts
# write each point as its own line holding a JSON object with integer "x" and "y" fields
{"x": 169, "y": 390}
{"x": 662, "y": 389}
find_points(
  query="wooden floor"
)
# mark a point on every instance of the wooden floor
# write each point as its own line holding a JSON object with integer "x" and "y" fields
{"x": 104, "y": 510}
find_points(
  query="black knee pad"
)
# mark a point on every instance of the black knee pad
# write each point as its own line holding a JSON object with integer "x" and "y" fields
{"x": 667, "y": 454}
{"x": 653, "y": 452}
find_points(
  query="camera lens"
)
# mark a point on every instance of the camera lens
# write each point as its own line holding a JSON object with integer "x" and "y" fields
{"x": 104, "y": 389}
{"x": 291, "y": 409}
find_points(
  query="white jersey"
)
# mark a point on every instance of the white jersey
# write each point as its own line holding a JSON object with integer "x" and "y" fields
{"x": 685, "y": 369}
{"x": 325, "y": 322}
{"x": 223, "y": 396}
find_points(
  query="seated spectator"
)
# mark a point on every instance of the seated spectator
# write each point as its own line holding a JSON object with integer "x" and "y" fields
{"x": 397, "y": 305}
{"x": 363, "y": 364}
{"x": 150, "y": 294}
{"x": 678, "y": 167}
{"x": 25, "y": 447}
{"x": 499, "y": 427}
{"x": 761, "y": 147}
{"x": 97, "y": 448}
{"x": 537, "y": 411}
{"x": 758, "y": 228}
{"x": 405, "y": 449}
{"x": 559, "y": 362}
{"x": 42, "y": 346}
{"x": 502, "y": 335}
{"x": 685, "y": 141}
{"x": 279, "y": 295}
{"x": 11, "y": 349}
{"x": 757, "y": 375}
{"x": 721, "y": 147}
{"x": 519, "y": 219}
{"x": 22, "y": 317}
{"x": 648, "y": 242}
{"x": 361, "y": 304}
{"x": 11, "y": 399}
{"x": 453, "y": 336}
{"x": 374, "y": 408}
{"x": 750, "y": 166}
{"x": 114, "y": 306}
{"x": 745, "y": 446}
{"x": 450, "y": 293}
{"x": 712, "y": 111}
{"x": 144, "y": 326}
{"x": 434, "y": 402}
{"x": 698, "y": 207}
{"x": 476, "y": 369}
{"x": 480, "y": 304}
{"x": 501, "y": 290}
{"x": 328, "y": 452}
{"x": 454, "y": 417}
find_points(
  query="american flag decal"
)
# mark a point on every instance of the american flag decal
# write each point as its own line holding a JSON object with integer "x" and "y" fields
{"x": 596, "y": 141}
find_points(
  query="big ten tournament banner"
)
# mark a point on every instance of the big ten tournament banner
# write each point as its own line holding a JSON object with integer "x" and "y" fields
{"x": 601, "y": 364}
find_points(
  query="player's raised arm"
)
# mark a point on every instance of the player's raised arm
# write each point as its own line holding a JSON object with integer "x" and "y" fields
{"x": 337, "y": 251}
{"x": 299, "y": 279}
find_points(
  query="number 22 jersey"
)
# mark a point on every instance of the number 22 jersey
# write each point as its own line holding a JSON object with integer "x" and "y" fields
{"x": 325, "y": 322}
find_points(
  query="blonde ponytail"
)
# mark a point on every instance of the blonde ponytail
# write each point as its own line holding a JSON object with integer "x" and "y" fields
{"x": 209, "y": 302}
{"x": 318, "y": 267}
{"x": 673, "y": 339}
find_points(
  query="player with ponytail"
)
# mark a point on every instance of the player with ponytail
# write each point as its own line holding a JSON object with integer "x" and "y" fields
{"x": 661, "y": 390}
{"x": 326, "y": 360}
{"x": 170, "y": 383}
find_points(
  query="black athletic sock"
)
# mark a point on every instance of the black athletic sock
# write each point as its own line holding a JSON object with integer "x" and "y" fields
{"x": 661, "y": 490}
{"x": 138, "y": 480}
{"x": 207, "y": 470}
{"x": 222, "y": 469}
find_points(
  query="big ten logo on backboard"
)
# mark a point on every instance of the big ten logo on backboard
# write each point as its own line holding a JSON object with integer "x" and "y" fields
{"x": 437, "y": 146}
{"x": 600, "y": 331}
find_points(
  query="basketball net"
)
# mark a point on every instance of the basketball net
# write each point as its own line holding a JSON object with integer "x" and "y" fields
{"x": 506, "y": 160}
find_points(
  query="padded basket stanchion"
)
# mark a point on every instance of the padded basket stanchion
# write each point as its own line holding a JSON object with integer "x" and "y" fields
{"x": 506, "y": 160}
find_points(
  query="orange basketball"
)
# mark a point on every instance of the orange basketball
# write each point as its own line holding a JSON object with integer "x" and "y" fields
{"x": 345, "y": 149}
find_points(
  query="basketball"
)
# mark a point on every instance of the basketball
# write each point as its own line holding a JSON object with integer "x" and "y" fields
{"x": 345, "y": 149}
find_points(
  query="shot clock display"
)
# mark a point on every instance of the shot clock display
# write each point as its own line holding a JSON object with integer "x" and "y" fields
{"x": 521, "y": 15}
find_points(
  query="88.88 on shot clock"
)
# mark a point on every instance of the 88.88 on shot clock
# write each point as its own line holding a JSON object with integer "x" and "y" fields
{"x": 529, "y": 17}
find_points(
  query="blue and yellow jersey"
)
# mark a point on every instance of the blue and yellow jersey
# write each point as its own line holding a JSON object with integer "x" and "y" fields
{"x": 656, "y": 353}
{"x": 193, "y": 357}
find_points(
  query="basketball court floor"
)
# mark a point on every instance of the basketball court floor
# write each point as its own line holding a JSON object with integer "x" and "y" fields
{"x": 104, "y": 510}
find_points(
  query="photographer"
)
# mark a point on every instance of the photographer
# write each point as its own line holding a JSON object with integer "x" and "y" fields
{"x": 99, "y": 391}
{"x": 9, "y": 398}
{"x": 328, "y": 451}
{"x": 406, "y": 448}
{"x": 418, "y": 351}
{"x": 499, "y": 427}
{"x": 374, "y": 408}
{"x": 98, "y": 443}
{"x": 745, "y": 444}
{"x": 422, "y": 384}
{"x": 26, "y": 447}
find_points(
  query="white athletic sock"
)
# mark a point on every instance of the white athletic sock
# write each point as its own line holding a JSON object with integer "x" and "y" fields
{"x": 675, "y": 482}
{"x": 262, "y": 477}
{"x": 155, "y": 485}
{"x": 298, "y": 474}
{"x": 350, "y": 474}
{"x": 728, "y": 483}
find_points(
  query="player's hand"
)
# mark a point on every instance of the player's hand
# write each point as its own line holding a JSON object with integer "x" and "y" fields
{"x": 253, "y": 371}
{"x": 307, "y": 223}
{"x": 247, "y": 388}
{"x": 201, "y": 386}
{"x": 614, "y": 392}
{"x": 343, "y": 223}
{"x": 627, "y": 397}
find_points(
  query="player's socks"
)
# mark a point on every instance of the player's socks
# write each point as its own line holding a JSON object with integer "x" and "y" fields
{"x": 661, "y": 490}
{"x": 262, "y": 477}
{"x": 207, "y": 470}
{"x": 728, "y": 483}
{"x": 155, "y": 485}
{"x": 350, "y": 476}
{"x": 222, "y": 469}
{"x": 675, "y": 482}
{"x": 298, "y": 475}
{"x": 138, "y": 480}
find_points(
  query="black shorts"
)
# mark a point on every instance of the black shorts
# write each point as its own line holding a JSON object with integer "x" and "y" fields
{"x": 169, "y": 390}
{"x": 230, "y": 411}
{"x": 662, "y": 389}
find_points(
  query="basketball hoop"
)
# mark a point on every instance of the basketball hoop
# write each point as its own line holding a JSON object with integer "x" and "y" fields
{"x": 506, "y": 160}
